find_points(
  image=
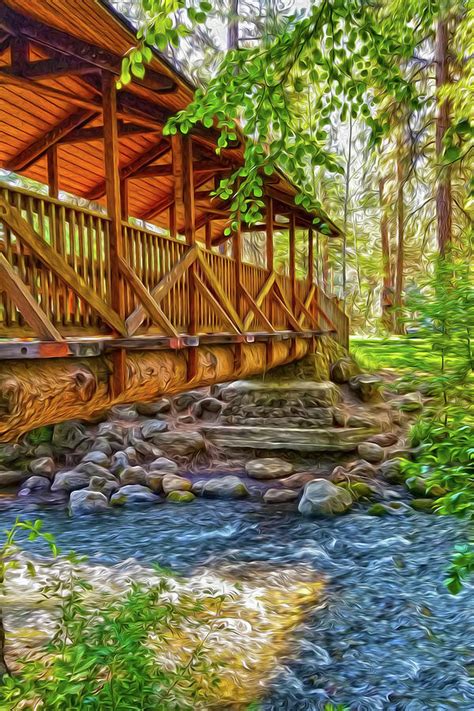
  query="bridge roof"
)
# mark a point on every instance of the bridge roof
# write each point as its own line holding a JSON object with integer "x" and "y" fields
{"x": 50, "y": 95}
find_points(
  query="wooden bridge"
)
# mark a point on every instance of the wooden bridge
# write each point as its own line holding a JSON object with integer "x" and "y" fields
{"x": 120, "y": 247}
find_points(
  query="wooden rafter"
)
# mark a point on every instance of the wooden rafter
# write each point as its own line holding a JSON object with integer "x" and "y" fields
{"x": 21, "y": 296}
{"x": 51, "y": 68}
{"x": 48, "y": 256}
{"x": 14, "y": 23}
{"x": 96, "y": 133}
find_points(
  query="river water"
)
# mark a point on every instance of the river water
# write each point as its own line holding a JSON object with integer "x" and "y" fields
{"x": 389, "y": 637}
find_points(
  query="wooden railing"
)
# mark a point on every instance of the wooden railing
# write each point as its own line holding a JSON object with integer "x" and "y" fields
{"x": 60, "y": 253}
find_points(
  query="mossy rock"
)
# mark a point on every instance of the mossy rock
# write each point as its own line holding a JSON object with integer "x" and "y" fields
{"x": 385, "y": 509}
{"x": 417, "y": 486}
{"x": 358, "y": 489}
{"x": 40, "y": 435}
{"x": 180, "y": 497}
{"x": 424, "y": 505}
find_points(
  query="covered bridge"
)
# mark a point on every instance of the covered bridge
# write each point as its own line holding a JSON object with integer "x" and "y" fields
{"x": 115, "y": 260}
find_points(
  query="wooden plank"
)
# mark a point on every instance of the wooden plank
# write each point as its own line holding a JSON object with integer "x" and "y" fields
{"x": 159, "y": 292}
{"x": 221, "y": 313}
{"x": 96, "y": 133}
{"x": 264, "y": 291}
{"x": 51, "y": 68}
{"x": 37, "y": 148}
{"x": 147, "y": 300}
{"x": 307, "y": 313}
{"x": 211, "y": 278}
{"x": 153, "y": 171}
{"x": 257, "y": 311}
{"x": 21, "y": 296}
{"x": 43, "y": 251}
{"x": 306, "y": 305}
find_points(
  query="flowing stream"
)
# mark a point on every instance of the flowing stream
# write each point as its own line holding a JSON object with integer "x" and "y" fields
{"x": 389, "y": 636}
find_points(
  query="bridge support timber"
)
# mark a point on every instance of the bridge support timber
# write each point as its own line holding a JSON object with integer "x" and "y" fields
{"x": 45, "y": 391}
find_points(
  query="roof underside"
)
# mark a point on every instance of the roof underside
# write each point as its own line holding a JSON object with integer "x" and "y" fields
{"x": 36, "y": 108}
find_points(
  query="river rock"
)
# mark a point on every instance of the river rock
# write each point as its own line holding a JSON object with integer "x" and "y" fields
{"x": 70, "y": 481}
{"x": 343, "y": 370}
{"x": 207, "y": 409}
{"x": 321, "y": 497}
{"x": 384, "y": 439}
{"x": 85, "y": 502}
{"x": 393, "y": 508}
{"x": 134, "y": 494}
{"x": 370, "y": 452}
{"x": 268, "y": 468}
{"x": 68, "y": 435}
{"x": 43, "y": 450}
{"x": 180, "y": 497}
{"x": 163, "y": 464}
{"x": 12, "y": 478}
{"x": 366, "y": 386}
{"x": 185, "y": 419}
{"x": 172, "y": 482}
{"x": 9, "y": 453}
{"x": 35, "y": 483}
{"x": 279, "y": 496}
{"x": 97, "y": 457}
{"x": 119, "y": 462}
{"x": 225, "y": 487}
{"x": 133, "y": 475}
{"x": 146, "y": 449}
{"x": 102, "y": 444}
{"x": 105, "y": 486}
{"x": 362, "y": 468}
{"x": 391, "y": 471}
{"x": 132, "y": 455}
{"x": 359, "y": 489}
{"x": 411, "y": 402}
{"x": 298, "y": 480}
{"x": 151, "y": 409}
{"x": 123, "y": 412}
{"x": 113, "y": 432}
{"x": 152, "y": 427}
{"x": 154, "y": 481}
{"x": 423, "y": 505}
{"x": 182, "y": 444}
{"x": 44, "y": 466}
{"x": 361, "y": 421}
{"x": 182, "y": 402}
{"x": 92, "y": 469}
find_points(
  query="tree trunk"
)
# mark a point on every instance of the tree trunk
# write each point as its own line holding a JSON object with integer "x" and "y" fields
{"x": 233, "y": 25}
{"x": 443, "y": 190}
{"x": 346, "y": 209}
{"x": 3, "y": 664}
{"x": 325, "y": 263}
{"x": 400, "y": 242}
{"x": 387, "y": 284}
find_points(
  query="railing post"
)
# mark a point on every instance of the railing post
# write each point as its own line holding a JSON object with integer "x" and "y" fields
{"x": 237, "y": 256}
{"x": 184, "y": 202}
{"x": 114, "y": 210}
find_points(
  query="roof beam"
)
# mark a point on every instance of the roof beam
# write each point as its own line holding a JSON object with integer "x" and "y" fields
{"x": 37, "y": 148}
{"x": 51, "y": 68}
{"x": 166, "y": 202}
{"x": 14, "y": 23}
{"x": 96, "y": 133}
{"x": 134, "y": 166}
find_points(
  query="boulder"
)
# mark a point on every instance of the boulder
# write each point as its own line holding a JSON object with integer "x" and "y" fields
{"x": 180, "y": 444}
{"x": 321, "y": 497}
{"x": 162, "y": 464}
{"x": 134, "y": 494}
{"x": 362, "y": 468}
{"x": 182, "y": 402}
{"x": 207, "y": 409}
{"x": 119, "y": 462}
{"x": 10, "y": 453}
{"x": 12, "y": 478}
{"x": 360, "y": 421}
{"x": 92, "y": 469}
{"x": 113, "y": 432}
{"x": 102, "y": 444}
{"x": 394, "y": 508}
{"x": 123, "y": 412}
{"x": 198, "y": 486}
{"x": 417, "y": 486}
{"x": 105, "y": 486}
{"x": 147, "y": 449}
{"x": 411, "y": 402}
{"x": 391, "y": 471}
{"x": 152, "y": 427}
{"x": 279, "y": 496}
{"x": 384, "y": 439}
{"x": 268, "y": 468}
{"x": 154, "y": 481}
{"x": 68, "y": 435}
{"x": 172, "y": 482}
{"x": 180, "y": 497}
{"x": 366, "y": 386}
{"x": 151, "y": 409}
{"x": 225, "y": 487}
{"x": 359, "y": 489}
{"x": 44, "y": 466}
{"x": 370, "y": 452}
{"x": 43, "y": 450}
{"x": 97, "y": 457}
{"x": 298, "y": 480}
{"x": 133, "y": 475}
{"x": 424, "y": 505}
{"x": 36, "y": 483}
{"x": 85, "y": 502}
{"x": 70, "y": 481}
{"x": 343, "y": 370}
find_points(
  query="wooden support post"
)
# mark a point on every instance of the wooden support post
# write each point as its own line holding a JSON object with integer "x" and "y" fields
{"x": 172, "y": 220}
{"x": 208, "y": 229}
{"x": 237, "y": 256}
{"x": 292, "y": 259}
{"x": 53, "y": 173}
{"x": 310, "y": 265}
{"x": 124, "y": 199}
{"x": 184, "y": 202}
{"x": 270, "y": 219}
{"x": 114, "y": 210}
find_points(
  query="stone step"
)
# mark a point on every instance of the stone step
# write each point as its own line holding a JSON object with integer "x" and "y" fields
{"x": 329, "y": 439}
